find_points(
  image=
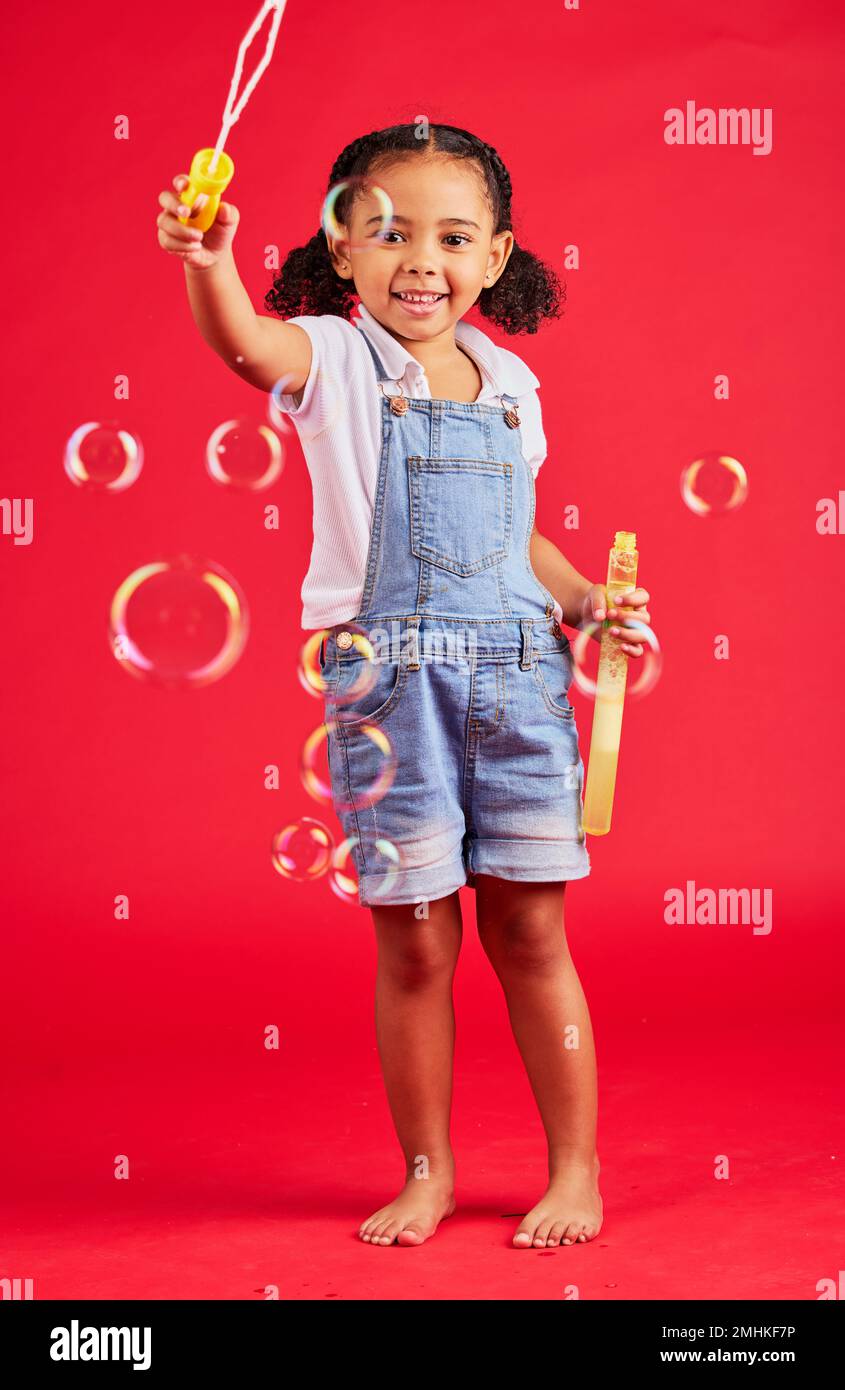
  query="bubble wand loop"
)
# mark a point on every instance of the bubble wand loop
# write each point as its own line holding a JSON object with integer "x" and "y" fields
{"x": 212, "y": 169}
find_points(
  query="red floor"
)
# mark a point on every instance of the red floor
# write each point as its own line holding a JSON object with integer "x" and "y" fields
{"x": 259, "y": 1174}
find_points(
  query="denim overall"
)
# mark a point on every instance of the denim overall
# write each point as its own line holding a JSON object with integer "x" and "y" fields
{"x": 469, "y": 704}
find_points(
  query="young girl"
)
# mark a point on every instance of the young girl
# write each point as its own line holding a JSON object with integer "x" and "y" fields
{"x": 423, "y": 438}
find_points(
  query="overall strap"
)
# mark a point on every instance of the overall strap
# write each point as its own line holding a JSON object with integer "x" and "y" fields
{"x": 379, "y": 365}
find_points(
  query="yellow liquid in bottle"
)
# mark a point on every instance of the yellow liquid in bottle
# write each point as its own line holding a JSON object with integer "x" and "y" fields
{"x": 610, "y": 694}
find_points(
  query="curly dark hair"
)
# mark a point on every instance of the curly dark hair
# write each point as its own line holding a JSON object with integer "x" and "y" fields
{"x": 527, "y": 292}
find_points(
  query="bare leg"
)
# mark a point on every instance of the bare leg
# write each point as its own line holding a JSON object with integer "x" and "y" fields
{"x": 521, "y": 929}
{"x": 415, "y": 1030}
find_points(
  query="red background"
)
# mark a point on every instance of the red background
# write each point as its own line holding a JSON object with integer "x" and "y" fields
{"x": 145, "y": 1037}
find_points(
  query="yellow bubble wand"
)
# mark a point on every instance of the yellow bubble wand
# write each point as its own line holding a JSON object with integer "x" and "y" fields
{"x": 610, "y": 693}
{"x": 212, "y": 169}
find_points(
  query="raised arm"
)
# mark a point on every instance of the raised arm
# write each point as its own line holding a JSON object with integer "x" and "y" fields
{"x": 258, "y": 348}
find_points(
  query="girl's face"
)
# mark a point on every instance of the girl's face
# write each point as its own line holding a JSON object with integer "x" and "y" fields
{"x": 439, "y": 244}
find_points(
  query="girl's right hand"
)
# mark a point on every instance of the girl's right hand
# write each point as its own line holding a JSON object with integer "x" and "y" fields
{"x": 195, "y": 248}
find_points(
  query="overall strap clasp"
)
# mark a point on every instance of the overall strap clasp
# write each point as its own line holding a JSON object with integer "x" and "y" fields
{"x": 398, "y": 402}
{"x": 413, "y": 629}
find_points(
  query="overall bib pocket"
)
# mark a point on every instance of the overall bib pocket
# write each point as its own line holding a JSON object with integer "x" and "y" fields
{"x": 461, "y": 512}
{"x": 373, "y": 705}
{"x": 554, "y": 682}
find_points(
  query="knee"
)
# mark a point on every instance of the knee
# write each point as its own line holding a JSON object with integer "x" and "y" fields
{"x": 534, "y": 943}
{"x": 413, "y": 965}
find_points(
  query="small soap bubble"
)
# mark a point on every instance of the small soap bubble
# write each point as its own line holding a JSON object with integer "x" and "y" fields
{"x": 643, "y": 671}
{"x": 103, "y": 457}
{"x": 377, "y": 756}
{"x": 328, "y": 402}
{"x": 343, "y": 879}
{"x": 714, "y": 484}
{"x": 370, "y": 201}
{"x": 244, "y": 455}
{"x": 276, "y": 413}
{"x": 314, "y": 766}
{"x": 302, "y": 851}
{"x": 384, "y": 859}
{"x": 179, "y": 623}
{"x": 311, "y": 677}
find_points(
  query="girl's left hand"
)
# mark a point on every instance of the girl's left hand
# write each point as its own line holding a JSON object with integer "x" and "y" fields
{"x": 630, "y": 603}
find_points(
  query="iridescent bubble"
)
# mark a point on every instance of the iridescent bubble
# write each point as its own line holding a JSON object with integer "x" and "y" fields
{"x": 373, "y": 208}
{"x": 243, "y": 455}
{"x": 104, "y": 457}
{"x": 714, "y": 484}
{"x": 277, "y": 415}
{"x": 303, "y": 850}
{"x": 381, "y": 761}
{"x": 327, "y": 403}
{"x": 383, "y": 858}
{"x": 178, "y": 623}
{"x": 311, "y": 677}
{"x": 343, "y": 879}
{"x": 643, "y": 671}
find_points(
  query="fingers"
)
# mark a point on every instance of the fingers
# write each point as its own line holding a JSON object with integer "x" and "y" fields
{"x": 175, "y": 236}
{"x": 642, "y": 615}
{"x": 180, "y": 182}
{"x": 633, "y": 597}
{"x": 628, "y": 605}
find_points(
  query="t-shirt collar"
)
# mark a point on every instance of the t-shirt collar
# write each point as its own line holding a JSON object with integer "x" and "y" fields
{"x": 507, "y": 374}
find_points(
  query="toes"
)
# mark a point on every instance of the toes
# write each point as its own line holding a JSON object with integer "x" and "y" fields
{"x": 366, "y": 1229}
{"x": 553, "y": 1238}
{"x": 542, "y": 1232}
{"x": 387, "y": 1235}
{"x": 572, "y": 1232}
{"x": 410, "y": 1235}
{"x": 523, "y": 1238}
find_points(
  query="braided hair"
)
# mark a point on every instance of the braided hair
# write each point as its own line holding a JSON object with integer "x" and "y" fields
{"x": 527, "y": 291}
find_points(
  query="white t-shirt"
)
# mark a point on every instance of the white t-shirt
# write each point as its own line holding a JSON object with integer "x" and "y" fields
{"x": 338, "y": 420}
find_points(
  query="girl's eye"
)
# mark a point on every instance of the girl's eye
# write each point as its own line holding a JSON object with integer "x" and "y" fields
{"x": 381, "y": 236}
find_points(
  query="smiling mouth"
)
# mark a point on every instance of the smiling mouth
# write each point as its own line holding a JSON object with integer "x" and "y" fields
{"x": 410, "y": 297}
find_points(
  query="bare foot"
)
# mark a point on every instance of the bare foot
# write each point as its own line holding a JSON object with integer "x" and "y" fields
{"x": 570, "y": 1209}
{"x": 413, "y": 1216}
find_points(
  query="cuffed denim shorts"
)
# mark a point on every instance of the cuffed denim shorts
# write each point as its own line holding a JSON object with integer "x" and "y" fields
{"x": 488, "y": 774}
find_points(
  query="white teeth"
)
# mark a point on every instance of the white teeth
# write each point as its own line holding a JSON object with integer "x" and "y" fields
{"x": 420, "y": 298}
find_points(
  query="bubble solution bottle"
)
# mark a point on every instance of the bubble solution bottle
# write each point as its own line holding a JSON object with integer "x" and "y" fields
{"x": 204, "y": 181}
{"x": 610, "y": 693}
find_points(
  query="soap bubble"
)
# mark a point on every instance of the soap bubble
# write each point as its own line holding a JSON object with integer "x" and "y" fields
{"x": 311, "y": 677}
{"x": 383, "y": 857}
{"x": 327, "y": 403}
{"x": 343, "y": 879}
{"x": 278, "y": 417}
{"x": 643, "y": 671}
{"x": 714, "y": 484}
{"x": 103, "y": 457}
{"x": 179, "y": 623}
{"x": 371, "y": 202}
{"x": 376, "y": 752}
{"x": 302, "y": 851}
{"x": 314, "y": 766}
{"x": 243, "y": 455}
